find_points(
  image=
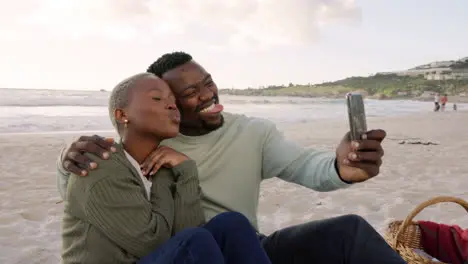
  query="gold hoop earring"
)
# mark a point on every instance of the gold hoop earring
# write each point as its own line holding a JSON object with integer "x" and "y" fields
{"x": 126, "y": 123}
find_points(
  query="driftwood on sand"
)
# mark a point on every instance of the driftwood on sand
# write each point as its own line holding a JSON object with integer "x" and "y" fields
{"x": 417, "y": 142}
{"x": 414, "y": 141}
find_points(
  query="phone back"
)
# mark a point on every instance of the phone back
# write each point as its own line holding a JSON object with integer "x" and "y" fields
{"x": 357, "y": 115}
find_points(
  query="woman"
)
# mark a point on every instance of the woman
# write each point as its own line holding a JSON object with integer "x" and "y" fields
{"x": 120, "y": 216}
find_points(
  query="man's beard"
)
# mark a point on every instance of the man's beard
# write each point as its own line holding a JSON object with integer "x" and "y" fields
{"x": 199, "y": 127}
{"x": 202, "y": 124}
{"x": 212, "y": 127}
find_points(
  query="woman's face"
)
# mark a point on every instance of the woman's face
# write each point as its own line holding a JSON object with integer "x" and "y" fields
{"x": 151, "y": 110}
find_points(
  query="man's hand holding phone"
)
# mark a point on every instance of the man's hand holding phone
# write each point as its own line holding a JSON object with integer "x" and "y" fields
{"x": 360, "y": 160}
{"x": 359, "y": 155}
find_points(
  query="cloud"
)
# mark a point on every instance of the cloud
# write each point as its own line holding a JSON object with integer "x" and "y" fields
{"x": 209, "y": 22}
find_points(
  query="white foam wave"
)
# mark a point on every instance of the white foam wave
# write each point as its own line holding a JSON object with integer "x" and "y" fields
{"x": 50, "y": 110}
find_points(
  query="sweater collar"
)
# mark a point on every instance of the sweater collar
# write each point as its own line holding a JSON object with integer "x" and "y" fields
{"x": 122, "y": 158}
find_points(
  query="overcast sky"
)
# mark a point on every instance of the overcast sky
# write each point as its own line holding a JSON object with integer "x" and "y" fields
{"x": 93, "y": 44}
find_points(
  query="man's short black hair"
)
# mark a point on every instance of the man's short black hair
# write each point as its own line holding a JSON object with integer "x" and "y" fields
{"x": 168, "y": 62}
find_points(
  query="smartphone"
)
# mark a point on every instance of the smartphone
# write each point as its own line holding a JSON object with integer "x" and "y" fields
{"x": 357, "y": 115}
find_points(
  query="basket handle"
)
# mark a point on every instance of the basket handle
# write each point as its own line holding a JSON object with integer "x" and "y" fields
{"x": 419, "y": 208}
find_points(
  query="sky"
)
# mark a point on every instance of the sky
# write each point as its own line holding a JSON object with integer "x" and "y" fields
{"x": 93, "y": 44}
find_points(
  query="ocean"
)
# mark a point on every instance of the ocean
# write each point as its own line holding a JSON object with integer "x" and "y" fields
{"x": 33, "y": 111}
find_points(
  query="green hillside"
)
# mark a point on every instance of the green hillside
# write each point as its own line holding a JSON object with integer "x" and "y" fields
{"x": 378, "y": 85}
{"x": 383, "y": 86}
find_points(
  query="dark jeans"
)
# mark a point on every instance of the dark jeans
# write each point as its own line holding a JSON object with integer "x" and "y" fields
{"x": 227, "y": 238}
{"x": 346, "y": 239}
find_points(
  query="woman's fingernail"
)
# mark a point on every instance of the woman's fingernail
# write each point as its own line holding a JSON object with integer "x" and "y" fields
{"x": 113, "y": 149}
{"x": 355, "y": 144}
{"x": 364, "y": 136}
{"x": 346, "y": 161}
{"x": 93, "y": 165}
{"x": 352, "y": 156}
{"x": 83, "y": 173}
{"x": 105, "y": 155}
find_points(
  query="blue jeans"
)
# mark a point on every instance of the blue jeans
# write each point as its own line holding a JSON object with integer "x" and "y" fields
{"x": 228, "y": 238}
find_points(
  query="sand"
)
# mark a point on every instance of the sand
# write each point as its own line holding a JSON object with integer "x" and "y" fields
{"x": 30, "y": 211}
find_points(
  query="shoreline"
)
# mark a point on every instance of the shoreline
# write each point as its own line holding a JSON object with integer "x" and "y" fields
{"x": 279, "y": 124}
{"x": 452, "y": 98}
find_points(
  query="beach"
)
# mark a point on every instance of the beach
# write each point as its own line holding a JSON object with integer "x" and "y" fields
{"x": 31, "y": 207}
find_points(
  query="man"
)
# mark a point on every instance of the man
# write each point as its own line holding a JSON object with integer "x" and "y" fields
{"x": 436, "y": 102}
{"x": 234, "y": 153}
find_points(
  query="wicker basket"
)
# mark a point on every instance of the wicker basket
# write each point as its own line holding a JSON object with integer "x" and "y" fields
{"x": 404, "y": 236}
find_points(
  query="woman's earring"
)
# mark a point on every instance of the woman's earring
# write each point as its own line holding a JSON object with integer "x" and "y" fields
{"x": 126, "y": 123}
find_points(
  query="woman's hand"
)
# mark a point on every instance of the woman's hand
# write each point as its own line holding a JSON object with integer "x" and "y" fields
{"x": 162, "y": 157}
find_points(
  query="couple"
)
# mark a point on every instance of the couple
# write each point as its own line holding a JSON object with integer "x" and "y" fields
{"x": 140, "y": 200}
{"x": 440, "y": 102}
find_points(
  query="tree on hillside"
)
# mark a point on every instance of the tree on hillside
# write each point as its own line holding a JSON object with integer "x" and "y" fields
{"x": 460, "y": 65}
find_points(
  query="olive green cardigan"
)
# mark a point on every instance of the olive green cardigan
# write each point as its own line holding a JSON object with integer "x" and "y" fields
{"x": 108, "y": 217}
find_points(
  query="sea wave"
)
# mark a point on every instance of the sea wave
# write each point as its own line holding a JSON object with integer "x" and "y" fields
{"x": 47, "y": 110}
{"x": 33, "y": 98}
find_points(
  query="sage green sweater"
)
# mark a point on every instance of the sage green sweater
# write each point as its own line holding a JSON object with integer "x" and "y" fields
{"x": 234, "y": 159}
{"x": 108, "y": 217}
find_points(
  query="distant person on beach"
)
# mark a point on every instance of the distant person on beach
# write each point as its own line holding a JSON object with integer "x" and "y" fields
{"x": 234, "y": 153}
{"x": 443, "y": 101}
{"x": 118, "y": 215}
{"x": 436, "y": 102}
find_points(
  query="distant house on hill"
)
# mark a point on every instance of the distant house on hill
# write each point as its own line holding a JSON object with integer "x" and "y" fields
{"x": 452, "y": 74}
{"x": 439, "y": 70}
{"x": 460, "y": 73}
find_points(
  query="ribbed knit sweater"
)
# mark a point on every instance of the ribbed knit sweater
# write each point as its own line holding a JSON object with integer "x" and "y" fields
{"x": 108, "y": 217}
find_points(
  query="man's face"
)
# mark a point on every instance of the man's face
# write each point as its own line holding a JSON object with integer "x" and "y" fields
{"x": 197, "y": 98}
